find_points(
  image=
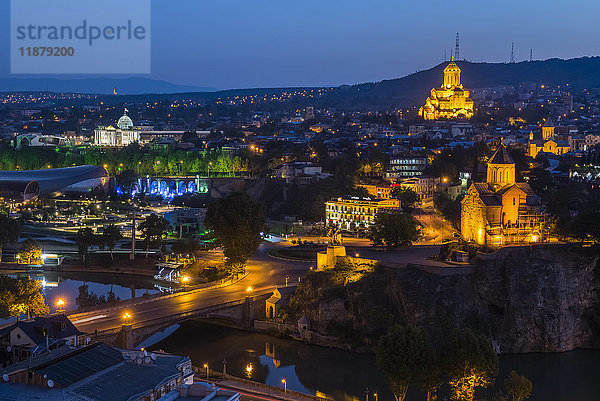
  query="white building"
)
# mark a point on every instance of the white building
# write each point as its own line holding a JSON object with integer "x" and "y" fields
{"x": 124, "y": 135}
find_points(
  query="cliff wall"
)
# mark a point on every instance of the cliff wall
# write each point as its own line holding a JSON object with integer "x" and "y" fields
{"x": 527, "y": 299}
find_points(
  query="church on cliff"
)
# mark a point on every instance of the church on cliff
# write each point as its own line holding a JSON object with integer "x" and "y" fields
{"x": 502, "y": 211}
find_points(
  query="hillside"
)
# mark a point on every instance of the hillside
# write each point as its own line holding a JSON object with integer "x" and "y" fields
{"x": 413, "y": 89}
{"x": 125, "y": 86}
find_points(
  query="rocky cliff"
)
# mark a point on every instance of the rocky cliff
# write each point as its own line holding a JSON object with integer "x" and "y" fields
{"x": 540, "y": 299}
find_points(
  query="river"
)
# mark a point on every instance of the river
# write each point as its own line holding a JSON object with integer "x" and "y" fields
{"x": 65, "y": 286}
{"x": 346, "y": 376}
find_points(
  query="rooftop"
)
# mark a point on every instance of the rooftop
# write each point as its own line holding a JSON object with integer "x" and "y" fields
{"x": 501, "y": 156}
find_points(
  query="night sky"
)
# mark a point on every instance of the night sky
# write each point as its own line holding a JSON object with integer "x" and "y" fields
{"x": 268, "y": 43}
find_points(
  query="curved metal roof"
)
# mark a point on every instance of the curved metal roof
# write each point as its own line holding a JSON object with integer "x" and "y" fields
{"x": 54, "y": 180}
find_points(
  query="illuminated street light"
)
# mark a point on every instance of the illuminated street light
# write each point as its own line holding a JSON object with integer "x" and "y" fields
{"x": 284, "y": 381}
{"x": 249, "y": 289}
{"x": 127, "y": 317}
{"x": 60, "y": 305}
{"x": 184, "y": 280}
{"x": 206, "y": 367}
{"x": 249, "y": 369}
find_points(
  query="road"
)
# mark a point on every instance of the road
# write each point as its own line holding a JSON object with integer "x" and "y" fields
{"x": 435, "y": 228}
{"x": 265, "y": 273}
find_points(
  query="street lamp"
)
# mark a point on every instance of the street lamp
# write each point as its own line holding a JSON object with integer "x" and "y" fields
{"x": 249, "y": 369}
{"x": 184, "y": 280}
{"x": 206, "y": 366}
{"x": 60, "y": 305}
{"x": 127, "y": 317}
{"x": 284, "y": 381}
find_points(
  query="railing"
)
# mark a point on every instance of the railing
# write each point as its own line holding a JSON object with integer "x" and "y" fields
{"x": 174, "y": 318}
{"x": 154, "y": 297}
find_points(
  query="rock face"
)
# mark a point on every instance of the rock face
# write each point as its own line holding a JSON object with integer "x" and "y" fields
{"x": 540, "y": 299}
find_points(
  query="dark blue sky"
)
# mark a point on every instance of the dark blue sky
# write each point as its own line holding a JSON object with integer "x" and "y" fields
{"x": 256, "y": 43}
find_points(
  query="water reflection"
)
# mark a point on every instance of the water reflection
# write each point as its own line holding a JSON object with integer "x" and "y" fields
{"x": 310, "y": 369}
{"x": 346, "y": 376}
{"x": 65, "y": 286}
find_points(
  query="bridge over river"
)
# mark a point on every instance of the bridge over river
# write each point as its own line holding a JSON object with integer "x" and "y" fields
{"x": 264, "y": 274}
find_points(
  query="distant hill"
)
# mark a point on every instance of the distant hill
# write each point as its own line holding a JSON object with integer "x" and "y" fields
{"x": 125, "y": 86}
{"x": 410, "y": 90}
{"x": 413, "y": 89}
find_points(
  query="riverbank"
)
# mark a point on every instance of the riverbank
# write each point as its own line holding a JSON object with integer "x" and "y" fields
{"x": 343, "y": 375}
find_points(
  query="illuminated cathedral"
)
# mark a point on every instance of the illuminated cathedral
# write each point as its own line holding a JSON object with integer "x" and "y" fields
{"x": 502, "y": 211}
{"x": 450, "y": 100}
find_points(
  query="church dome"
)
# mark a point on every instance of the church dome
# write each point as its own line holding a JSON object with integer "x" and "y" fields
{"x": 125, "y": 122}
{"x": 452, "y": 67}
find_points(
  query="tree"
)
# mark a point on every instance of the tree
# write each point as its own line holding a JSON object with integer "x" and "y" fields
{"x": 85, "y": 299}
{"x": 393, "y": 229}
{"x": 449, "y": 208}
{"x": 469, "y": 361}
{"x": 429, "y": 374}
{"x": 153, "y": 229}
{"x": 235, "y": 224}
{"x": 30, "y": 250}
{"x": 127, "y": 181}
{"x": 110, "y": 237}
{"x": 11, "y": 229}
{"x": 403, "y": 353}
{"x": 407, "y": 197}
{"x": 517, "y": 386}
{"x": 185, "y": 246}
{"x": 586, "y": 225}
{"x": 21, "y": 296}
{"x": 84, "y": 239}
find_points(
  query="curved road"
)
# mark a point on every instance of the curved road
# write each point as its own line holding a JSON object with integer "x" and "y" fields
{"x": 265, "y": 273}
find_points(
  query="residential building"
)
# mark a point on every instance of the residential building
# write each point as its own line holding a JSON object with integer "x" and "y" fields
{"x": 403, "y": 166}
{"x": 354, "y": 213}
{"x": 299, "y": 172}
{"x": 449, "y": 189}
{"x": 423, "y": 185}
{"x": 29, "y": 338}
{"x": 381, "y": 190}
{"x": 502, "y": 211}
{"x": 96, "y": 372}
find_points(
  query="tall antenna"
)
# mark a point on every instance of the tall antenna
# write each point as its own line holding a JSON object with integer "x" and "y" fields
{"x": 457, "y": 50}
{"x": 530, "y": 54}
{"x": 512, "y": 52}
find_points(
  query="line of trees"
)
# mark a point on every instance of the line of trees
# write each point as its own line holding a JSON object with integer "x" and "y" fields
{"x": 406, "y": 358}
{"x": 86, "y": 238}
{"x": 165, "y": 161}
